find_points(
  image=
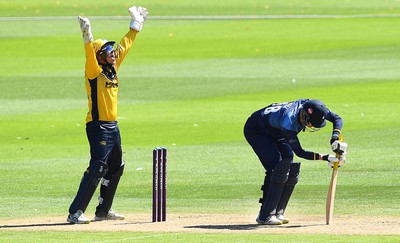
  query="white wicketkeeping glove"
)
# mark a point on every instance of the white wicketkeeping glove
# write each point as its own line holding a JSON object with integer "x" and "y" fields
{"x": 139, "y": 15}
{"x": 339, "y": 147}
{"x": 86, "y": 31}
{"x": 330, "y": 158}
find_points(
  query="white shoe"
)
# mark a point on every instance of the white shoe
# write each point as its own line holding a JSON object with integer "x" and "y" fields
{"x": 111, "y": 215}
{"x": 271, "y": 220}
{"x": 282, "y": 218}
{"x": 77, "y": 218}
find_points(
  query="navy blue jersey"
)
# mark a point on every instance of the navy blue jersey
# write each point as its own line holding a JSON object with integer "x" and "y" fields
{"x": 281, "y": 121}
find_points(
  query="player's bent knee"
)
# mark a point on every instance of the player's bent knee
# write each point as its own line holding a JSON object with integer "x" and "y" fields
{"x": 97, "y": 170}
{"x": 294, "y": 173}
{"x": 120, "y": 170}
{"x": 280, "y": 172}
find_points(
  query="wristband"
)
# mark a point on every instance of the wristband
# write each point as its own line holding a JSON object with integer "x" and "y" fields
{"x": 136, "y": 25}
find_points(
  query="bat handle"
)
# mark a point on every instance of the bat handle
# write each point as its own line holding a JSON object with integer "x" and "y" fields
{"x": 336, "y": 164}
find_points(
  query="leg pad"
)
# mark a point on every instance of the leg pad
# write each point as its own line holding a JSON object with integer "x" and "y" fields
{"x": 288, "y": 187}
{"x": 107, "y": 192}
{"x": 275, "y": 187}
{"x": 88, "y": 185}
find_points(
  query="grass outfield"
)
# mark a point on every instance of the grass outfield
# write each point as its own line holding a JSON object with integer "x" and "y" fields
{"x": 205, "y": 7}
{"x": 171, "y": 237}
{"x": 190, "y": 86}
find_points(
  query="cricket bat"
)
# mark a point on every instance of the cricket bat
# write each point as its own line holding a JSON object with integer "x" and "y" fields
{"x": 332, "y": 189}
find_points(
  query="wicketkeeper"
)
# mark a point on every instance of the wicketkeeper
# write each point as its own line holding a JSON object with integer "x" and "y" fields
{"x": 103, "y": 60}
{"x": 272, "y": 133}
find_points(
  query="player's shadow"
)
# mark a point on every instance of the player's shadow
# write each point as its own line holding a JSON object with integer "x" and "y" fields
{"x": 225, "y": 226}
{"x": 11, "y": 226}
{"x": 240, "y": 226}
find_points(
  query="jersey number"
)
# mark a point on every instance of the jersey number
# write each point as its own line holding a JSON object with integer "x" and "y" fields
{"x": 272, "y": 108}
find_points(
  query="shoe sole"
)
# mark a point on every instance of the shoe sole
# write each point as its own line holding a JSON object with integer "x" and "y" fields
{"x": 269, "y": 222}
{"x": 283, "y": 219}
{"x": 79, "y": 222}
{"x": 102, "y": 219}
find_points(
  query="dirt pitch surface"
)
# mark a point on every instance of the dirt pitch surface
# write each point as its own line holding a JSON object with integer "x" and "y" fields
{"x": 211, "y": 223}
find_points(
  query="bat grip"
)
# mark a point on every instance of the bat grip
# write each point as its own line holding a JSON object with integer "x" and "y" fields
{"x": 336, "y": 164}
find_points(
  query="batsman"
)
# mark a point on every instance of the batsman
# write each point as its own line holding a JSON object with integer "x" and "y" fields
{"x": 272, "y": 132}
{"x": 103, "y": 59}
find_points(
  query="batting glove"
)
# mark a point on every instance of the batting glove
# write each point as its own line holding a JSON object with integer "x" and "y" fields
{"x": 330, "y": 158}
{"x": 139, "y": 15}
{"x": 342, "y": 160}
{"x": 334, "y": 138}
{"x": 339, "y": 147}
{"x": 86, "y": 31}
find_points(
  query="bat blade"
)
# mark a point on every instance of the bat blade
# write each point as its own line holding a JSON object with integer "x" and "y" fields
{"x": 331, "y": 196}
{"x": 330, "y": 201}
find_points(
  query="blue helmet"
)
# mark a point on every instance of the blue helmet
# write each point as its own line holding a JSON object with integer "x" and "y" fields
{"x": 315, "y": 112}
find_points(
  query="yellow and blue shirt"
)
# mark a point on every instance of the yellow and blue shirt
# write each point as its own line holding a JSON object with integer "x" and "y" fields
{"x": 102, "y": 88}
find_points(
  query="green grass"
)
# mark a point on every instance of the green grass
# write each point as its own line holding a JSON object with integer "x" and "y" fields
{"x": 190, "y": 86}
{"x": 172, "y": 237}
{"x": 205, "y": 7}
